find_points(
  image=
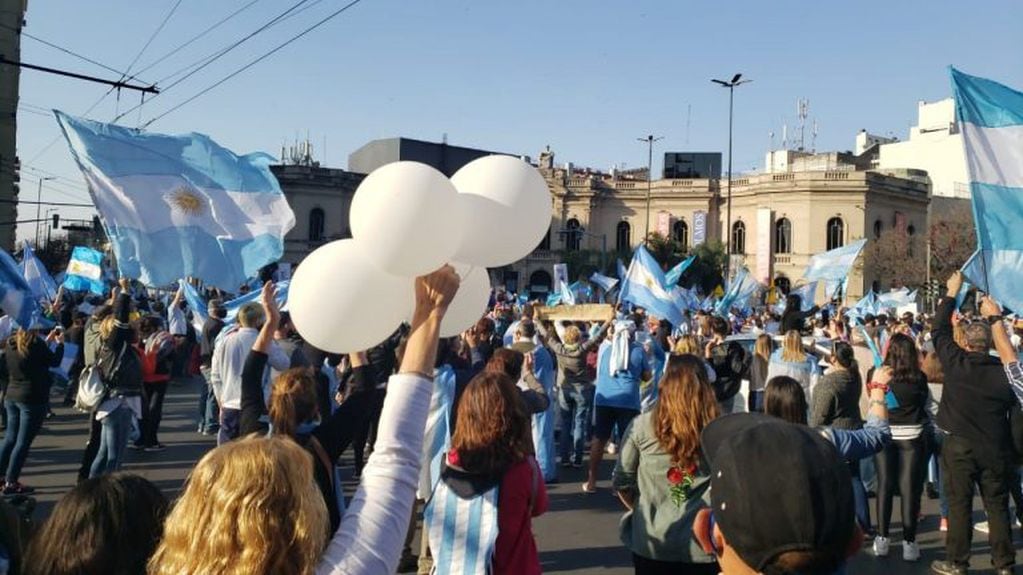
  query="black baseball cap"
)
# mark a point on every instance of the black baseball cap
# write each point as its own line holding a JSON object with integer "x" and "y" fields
{"x": 777, "y": 487}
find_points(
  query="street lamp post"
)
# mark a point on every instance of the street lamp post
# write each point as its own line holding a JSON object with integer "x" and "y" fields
{"x": 649, "y": 177}
{"x": 39, "y": 204}
{"x": 735, "y": 81}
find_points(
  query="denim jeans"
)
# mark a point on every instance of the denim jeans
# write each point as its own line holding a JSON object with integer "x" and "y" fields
{"x": 113, "y": 439}
{"x": 23, "y": 423}
{"x": 209, "y": 410}
{"x": 576, "y": 404}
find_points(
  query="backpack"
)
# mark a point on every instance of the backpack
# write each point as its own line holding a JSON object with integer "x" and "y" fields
{"x": 731, "y": 364}
{"x": 92, "y": 385}
{"x": 123, "y": 377}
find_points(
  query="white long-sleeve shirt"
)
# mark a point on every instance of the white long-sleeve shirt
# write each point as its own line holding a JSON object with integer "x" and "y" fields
{"x": 372, "y": 532}
{"x": 176, "y": 322}
{"x": 229, "y": 360}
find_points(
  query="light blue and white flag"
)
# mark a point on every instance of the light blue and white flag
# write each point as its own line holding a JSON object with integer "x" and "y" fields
{"x": 895, "y": 299}
{"x": 835, "y": 264}
{"x": 85, "y": 271}
{"x": 43, "y": 286}
{"x": 674, "y": 274}
{"x": 16, "y": 297}
{"x": 622, "y": 272}
{"x": 990, "y": 117}
{"x": 607, "y": 284}
{"x": 180, "y": 206}
{"x": 196, "y": 303}
{"x": 567, "y": 294}
{"x": 644, "y": 286}
{"x": 808, "y": 295}
{"x": 742, "y": 288}
{"x": 253, "y": 296}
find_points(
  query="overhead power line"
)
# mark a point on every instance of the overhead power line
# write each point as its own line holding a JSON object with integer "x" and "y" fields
{"x": 202, "y": 34}
{"x": 116, "y": 84}
{"x": 199, "y": 65}
{"x": 70, "y": 52}
{"x": 153, "y": 35}
{"x": 281, "y": 46}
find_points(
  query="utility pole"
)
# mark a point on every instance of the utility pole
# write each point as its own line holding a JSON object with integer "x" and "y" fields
{"x": 39, "y": 204}
{"x": 735, "y": 81}
{"x": 649, "y": 178}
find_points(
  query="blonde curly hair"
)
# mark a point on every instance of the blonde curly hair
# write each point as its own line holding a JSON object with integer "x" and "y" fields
{"x": 250, "y": 506}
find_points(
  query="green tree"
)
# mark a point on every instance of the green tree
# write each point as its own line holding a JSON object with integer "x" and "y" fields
{"x": 665, "y": 250}
{"x": 706, "y": 271}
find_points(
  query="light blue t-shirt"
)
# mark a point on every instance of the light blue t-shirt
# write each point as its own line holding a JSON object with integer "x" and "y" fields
{"x": 621, "y": 389}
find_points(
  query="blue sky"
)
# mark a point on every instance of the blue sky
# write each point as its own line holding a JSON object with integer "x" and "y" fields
{"x": 586, "y": 77}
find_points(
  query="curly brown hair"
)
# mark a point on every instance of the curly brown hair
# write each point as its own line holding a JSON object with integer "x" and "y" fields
{"x": 492, "y": 431}
{"x": 685, "y": 406}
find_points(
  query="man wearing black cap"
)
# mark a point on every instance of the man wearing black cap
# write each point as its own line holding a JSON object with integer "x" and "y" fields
{"x": 781, "y": 499}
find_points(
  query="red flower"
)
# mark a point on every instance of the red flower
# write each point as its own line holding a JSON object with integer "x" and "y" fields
{"x": 675, "y": 475}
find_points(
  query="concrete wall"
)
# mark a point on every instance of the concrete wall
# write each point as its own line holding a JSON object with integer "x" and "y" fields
{"x": 934, "y": 145}
{"x": 308, "y": 188}
{"x": 11, "y": 15}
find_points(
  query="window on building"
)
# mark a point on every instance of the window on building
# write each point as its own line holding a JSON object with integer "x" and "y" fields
{"x": 783, "y": 284}
{"x": 738, "y": 238}
{"x": 573, "y": 236}
{"x": 877, "y": 229}
{"x": 783, "y": 236}
{"x": 836, "y": 233}
{"x": 317, "y": 219}
{"x": 623, "y": 237}
{"x": 680, "y": 231}
{"x": 911, "y": 229}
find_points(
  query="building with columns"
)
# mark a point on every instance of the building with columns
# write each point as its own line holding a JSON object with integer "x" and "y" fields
{"x": 780, "y": 219}
{"x": 803, "y": 204}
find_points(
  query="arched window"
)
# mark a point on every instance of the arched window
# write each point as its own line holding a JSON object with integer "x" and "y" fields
{"x": 738, "y": 238}
{"x": 783, "y": 284}
{"x": 836, "y": 233}
{"x": 623, "y": 241}
{"x": 680, "y": 231}
{"x": 783, "y": 236}
{"x": 572, "y": 235}
{"x": 539, "y": 283}
{"x": 911, "y": 230}
{"x": 317, "y": 219}
{"x": 877, "y": 229}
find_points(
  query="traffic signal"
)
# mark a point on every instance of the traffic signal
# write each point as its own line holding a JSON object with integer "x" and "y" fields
{"x": 56, "y": 221}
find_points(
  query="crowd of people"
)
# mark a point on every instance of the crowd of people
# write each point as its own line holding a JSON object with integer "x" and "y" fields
{"x": 740, "y": 447}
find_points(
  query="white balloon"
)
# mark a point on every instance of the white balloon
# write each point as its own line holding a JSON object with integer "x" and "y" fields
{"x": 406, "y": 216}
{"x": 506, "y": 210}
{"x": 470, "y": 303}
{"x": 342, "y": 303}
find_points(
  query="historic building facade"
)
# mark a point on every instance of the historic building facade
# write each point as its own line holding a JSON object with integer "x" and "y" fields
{"x": 796, "y": 209}
{"x": 779, "y": 220}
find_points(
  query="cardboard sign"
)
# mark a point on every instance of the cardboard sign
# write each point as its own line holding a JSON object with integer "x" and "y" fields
{"x": 596, "y": 312}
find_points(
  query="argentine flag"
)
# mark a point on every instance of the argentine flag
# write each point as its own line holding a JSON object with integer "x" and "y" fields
{"x": 180, "y": 206}
{"x": 834, "y": 265}
{"x": 990, "y": 118}
{"x": 643, "y": 286}
{"x": 674, "y": 274}
{"x": 43, "y": 286}
{"x": 85, "y": 271}
{"x": 16, "y": 297}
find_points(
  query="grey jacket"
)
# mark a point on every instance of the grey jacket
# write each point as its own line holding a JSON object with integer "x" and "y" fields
{"x": 571, "y": 358}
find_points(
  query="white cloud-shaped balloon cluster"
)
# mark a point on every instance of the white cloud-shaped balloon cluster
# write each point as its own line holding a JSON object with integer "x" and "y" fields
{"x": 407, "y": 220}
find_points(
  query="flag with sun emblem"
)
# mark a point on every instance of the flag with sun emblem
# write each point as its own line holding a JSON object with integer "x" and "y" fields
{"x": 643, "y": 285}
{"x": 180, "y": 206}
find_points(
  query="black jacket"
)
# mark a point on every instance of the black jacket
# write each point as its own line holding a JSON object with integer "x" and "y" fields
{"x": 796, "y": 319}
{"x": 28, "y": 377}
{"x": 976, "y": 399}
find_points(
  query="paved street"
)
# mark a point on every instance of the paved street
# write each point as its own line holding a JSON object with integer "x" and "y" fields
{"x": 579, "y": 534}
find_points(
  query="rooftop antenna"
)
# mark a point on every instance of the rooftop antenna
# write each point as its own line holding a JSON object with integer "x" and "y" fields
{"x": 444, "y": 138}
{"x": 770, "y": 135}
{"x": 784, "y": 136}
{"x": 813, "y": 136}
{"x": 802, "y": 110}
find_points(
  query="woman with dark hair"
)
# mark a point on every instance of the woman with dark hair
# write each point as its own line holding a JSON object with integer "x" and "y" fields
{"x": 794, "y": 318}
{"x": 660, "y": 476}
{"x": 784, "y": 398}
{"x": 836, "y": 402}
{"x": 108, "y": 524}
{"x": 480, "y": 512}
{"x": 904, "y": 461}
{"x": 762, "y": 350}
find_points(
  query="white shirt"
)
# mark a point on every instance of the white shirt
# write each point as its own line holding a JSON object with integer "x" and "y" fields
{"x": 176, "y": 323}
{"x": 372, "y": 531}
{"x": 229, "y": 360}
{"x": 108, "y": 406}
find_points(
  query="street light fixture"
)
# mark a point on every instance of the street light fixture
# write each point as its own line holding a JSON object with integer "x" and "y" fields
{"x": 39, "y": 204}
{"x": 649, "y": 177}
{"x": 735, "y": 81}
